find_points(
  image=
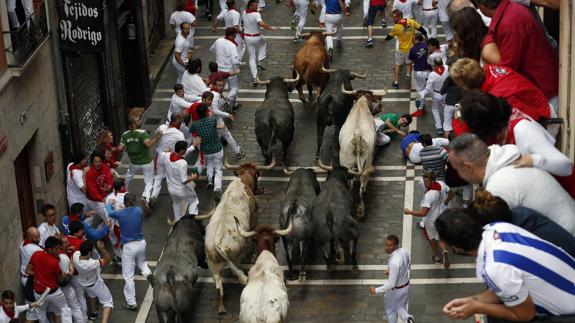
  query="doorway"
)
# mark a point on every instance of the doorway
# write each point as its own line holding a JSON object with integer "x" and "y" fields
{"x": 24, "y": 189}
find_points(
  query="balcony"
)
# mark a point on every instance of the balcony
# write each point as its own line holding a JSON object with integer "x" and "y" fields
{"x": 21, "y": 43}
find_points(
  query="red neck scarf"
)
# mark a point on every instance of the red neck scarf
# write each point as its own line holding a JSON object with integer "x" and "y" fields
{"x": 27, "y": 242}
{"x": 233, "y": 41}
{"x": 173, "y": 126}
{"x": 10, "y": 313}
{"x": 435, "y": 186}
{"x": 74, "y": 217}
{"x": 175, "y": 157}
{"x": 122, "y": 190}
{"x": 213, "y": 89}
{"x": 439, "y": 69}
{"x": 72, "y": 168}
{"x": 403, "y": 22}
{"x": 250, "y": 10}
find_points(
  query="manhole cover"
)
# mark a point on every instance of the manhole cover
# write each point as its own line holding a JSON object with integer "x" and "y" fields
{"x": 153, "y": 121}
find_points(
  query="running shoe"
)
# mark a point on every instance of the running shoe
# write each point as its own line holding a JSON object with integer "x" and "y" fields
{"x": 395, "y": 85}
{"x": 294, "y": 22}
{"x": 368, "y": 43}
{"x": 129, "y": 307}
{"x": 240, "y": 155}
{"x": 383, "y": 23}
{"x": 217, "y": 195}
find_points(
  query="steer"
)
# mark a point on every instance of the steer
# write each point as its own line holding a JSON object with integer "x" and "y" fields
{"x": 333, "y": 106}
{"x": 308, "y": 62}
{"x": 265, "y": 298}
{"x": 178, "y": 271}
{"x": 275, "y": 117}
{"x": 357, "y": 140}
{"x": 297, "y": 203}
{"x": 333, "y": 220}
{"x": 223, "y": 242}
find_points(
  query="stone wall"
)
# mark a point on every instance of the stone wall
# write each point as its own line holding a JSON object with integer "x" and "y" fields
{"x": 34, "y": 93}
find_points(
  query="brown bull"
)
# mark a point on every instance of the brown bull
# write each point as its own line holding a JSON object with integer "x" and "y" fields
{"x": 308, "y": 63}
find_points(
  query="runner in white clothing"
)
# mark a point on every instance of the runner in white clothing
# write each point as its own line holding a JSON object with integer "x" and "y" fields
{"x": 299, "y": 17}
{"x": 179, "y": 16}
{"x": 430, "y": 15}
{"x": 406, "y": 7}
{"x": 75, "y": 188}
{"x": 193, "y": 83}
{"x": 184, "y": 45}
{"x": 433, "y": 87}
{"x": 254, "y": 39}
{"x": 444, "y": 19}
{"x": 78, "y": 315}
{"x": 228, "y": 61}
{"x": 397, "y": 287}
{"x": 180, "y": 101}
{"x": 232, "y": 18}
{"x": 48, "y": 228}
{"x": 9, "y": 311}
{"x": 217, "y": 103}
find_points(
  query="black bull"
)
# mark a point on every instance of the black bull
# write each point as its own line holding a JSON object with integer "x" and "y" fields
{"x": 178, "y": 271}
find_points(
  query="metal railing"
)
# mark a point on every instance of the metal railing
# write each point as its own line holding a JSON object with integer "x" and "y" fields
{"x": 27, "y": 37}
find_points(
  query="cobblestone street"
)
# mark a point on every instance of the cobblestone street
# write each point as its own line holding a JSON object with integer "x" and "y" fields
{"x": 326, "y": 296}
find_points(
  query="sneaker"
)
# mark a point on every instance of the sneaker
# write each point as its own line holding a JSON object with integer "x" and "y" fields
{"x": 439, "y": 131}
{"x": 209, "y": 17}
{"x": 418, "y": 103}
{"x": 395, "y": 85}
{"x": 210, "y": 185}
{"x": 419, "y": 113}
{"x": 153, "y": 202}
{"x": 223, "y": 141}
{"x": 92, "y": 316}
{"x": 255, "y": 83}
{"x": 368, "y": 43}
{"x": 446, "y": 263}
{"x": 261, "y": 67}
{"x": 236, "y": 107}
{"x": 297, "y": 39}
{"x": 410, "y": 319}
{"x": 408, "y": 76}
{"x": 240, "y": 155}
{"x": 294, "y": 22}
{"x": 330, "y": 54}
{"x": 420, "y": 226}
{"x": 116, "y": 260}
{"x": 129, "y": 307}
{"x": 217, "y": 195}
{"x": 145, "y": 204}
{"x": 150, "y": 278}
{"x": 436, "y": 260}
{"x": 383, "y": 23}
{"x": 338, "y": 43}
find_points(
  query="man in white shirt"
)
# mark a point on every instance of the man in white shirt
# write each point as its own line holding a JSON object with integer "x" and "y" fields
{"x": 75, "y": 188}
{"x": 397, "y": 287}
{"x": 232, "y": 18}
{"x": 184, "y": 45}
{"x": 179, "y": 16}
{"x": 525, "y": 275}
{"x": 406, "y": 7}
{"x": 89, "y": 274}
{"x": 178, "y": 181}
{"x": 254, "y": 39}
{"x": 299, "y": 18}
{"x": 433, "y": 87}
{"x": 78, "y": 315}
{"x": 180, "y": 101}
{"x": 430, "y": 15}
{"x": 48, "y": 228}
{"x": 9, "y": 311}
{"x": 228, "y": 61}
{"x": 444, "y": 19}
{"x": 28, "y": 247}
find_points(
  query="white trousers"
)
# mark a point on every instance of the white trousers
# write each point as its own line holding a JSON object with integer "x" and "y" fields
{"x": 436, "y": 108}
{"x": 56, "y": 300}
{"x": 179, "y": 70}
{"x": 148, "y": 171}
{"x": 160, "y": 169}
{"x": 214, "y": 164}
{"x": 420, "y": 80}
{"x": 448, "y": 112}
{"x": 79, "y": 290}
{"x": 241, "y": 46}
{"x": 100, "y": 209}
{"x": 301, "y": 8}
{"x": 430, "y": 22}
{"x": 233, "y": 84}
{"x": 180, "y": 198}
{"x": 332, "y": 22}
{"x": 396, "y": 304}
{"x": 322, "y": 13}
{"x": 133, "y": 254}
{"x": 78, "y": 315}
{"x": 261, "y": 4}
{"x": 255, "y": 45}
{"x": 100, "y": 291}
{"x": 447, "y": 30}
{"x": 225, "y": 133}
{"x": 382, "y": 139}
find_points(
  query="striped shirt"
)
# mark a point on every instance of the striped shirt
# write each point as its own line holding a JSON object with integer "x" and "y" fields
{"x": 434, "y": 158}
{"x": 515, "y": 264}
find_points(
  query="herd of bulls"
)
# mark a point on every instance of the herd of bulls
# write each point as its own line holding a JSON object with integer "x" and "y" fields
{"x": 323, "y": 216}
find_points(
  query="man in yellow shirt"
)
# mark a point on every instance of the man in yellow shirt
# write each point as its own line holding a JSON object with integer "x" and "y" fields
{"x": 404, "y": 29}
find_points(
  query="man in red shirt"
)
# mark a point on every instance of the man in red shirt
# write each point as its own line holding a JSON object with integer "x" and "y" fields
{"x": 523, "y": 45}
{"x": 44, "y": 266}
{"x": 375, "y": 6}
{"x": 99, "y": 183}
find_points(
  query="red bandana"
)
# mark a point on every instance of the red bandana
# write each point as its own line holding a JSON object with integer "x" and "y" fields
{"x": 11, "y": 314}
{"x": 74, "y": 217}
{"x": 435, "y": 186}
{"x": 213, "y": 89}
{"x": 403, "y": 22}
{"x": 172, "y": 126}
{"x": 233, "y": 41}
{"x": 175, "y": 157}
{"x": 250, "y": 11}
{"x": 439, "y": 69}
{"x": 27, "y": 242}
{"x": 122, "y": 190}
{"x": 72, "y": 168}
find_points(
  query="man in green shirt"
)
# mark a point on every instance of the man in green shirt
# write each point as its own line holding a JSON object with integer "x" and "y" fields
{"x": 388, "y": 124}
{"x": 137, "y": 143}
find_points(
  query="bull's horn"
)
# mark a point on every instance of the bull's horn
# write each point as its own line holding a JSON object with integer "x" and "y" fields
{"x": 328, "y": 70}
{"x": 379, "y": 92}
{"x": 204, "y": 217}
{"x": 305, "y": 35}
{"x": 320, "y": 171}
{"x": 243, "y": 233}
{"x": 288, "y": 172}
{"x": 353, "y": 172}
{"x": 292, "y": 80}
{"x": 360, "y": 76}
{"x": 258, "y": 81}
{"x": 268, "y": 167}
{"x": 346, "y": 92}
{"x": 227, "y": 165}
{"x": 286, "y": 231}
{"x": 320, "y": 164}
{"x": 325, "y": 33}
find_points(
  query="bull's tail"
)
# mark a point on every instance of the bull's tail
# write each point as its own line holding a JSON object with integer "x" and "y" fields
{"x": 359, "y": 148}
{"x": 238, "y": 272}
{"x": 272, "y": 138}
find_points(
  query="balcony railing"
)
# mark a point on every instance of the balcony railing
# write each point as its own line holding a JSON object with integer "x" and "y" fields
{"x": 26, "y": 39}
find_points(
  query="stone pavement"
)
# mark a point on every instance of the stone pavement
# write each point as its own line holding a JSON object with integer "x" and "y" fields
{"x": 340, "y": 295}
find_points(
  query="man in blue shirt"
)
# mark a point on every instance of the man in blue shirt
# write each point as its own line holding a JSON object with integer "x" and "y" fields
{"x": 133, "y": 248}
{"x": 418, "y": 55}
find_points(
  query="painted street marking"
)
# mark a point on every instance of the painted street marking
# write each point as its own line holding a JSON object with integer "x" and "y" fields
{"x": 277, "y": 168}
{"x": 286, "y": 178}
{"x": 264, "y": 91}
{"x": 290, "y": 100}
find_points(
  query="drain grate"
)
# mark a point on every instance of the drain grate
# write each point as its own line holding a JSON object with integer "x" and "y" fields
{"x": 153, "y": 121}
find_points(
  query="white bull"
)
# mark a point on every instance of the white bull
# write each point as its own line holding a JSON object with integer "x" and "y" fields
{"x": 357, "y": 139}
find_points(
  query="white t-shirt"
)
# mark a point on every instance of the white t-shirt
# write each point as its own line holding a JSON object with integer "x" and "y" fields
{"x": 183, "y": 46}
{"x": 405, "y": 7}
{"x": 88, "y": 269}
{"x": 117, "y": 200}
{"x": 4, "y": 318}
{"x": 226, "y": 55}
{"x": 74, "y": 182}
{"x": 435, "y": 201}
{"x": 26, "y": 252}
{"x": 442, "y": 52}
{"x": 251, "y": 23}
{"x": 47, "y": 231}
{"x": 428, "y": 4}
{"x": 64, "y": 263}
{"x": 178, "y": 104}
{"x": 193, "y": 84}
{"x": 182, "y": 16}
{"x": 169, "y": 138}
{"x": 176, "y": 172}
{"x": 231, "y": 17}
